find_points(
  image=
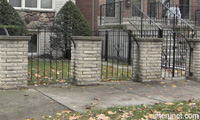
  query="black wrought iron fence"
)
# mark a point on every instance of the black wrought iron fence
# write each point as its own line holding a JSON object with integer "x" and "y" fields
{"x": 118, "y": 53}
{"x": 176, "y": 55}
{"x": 49, "y": 56}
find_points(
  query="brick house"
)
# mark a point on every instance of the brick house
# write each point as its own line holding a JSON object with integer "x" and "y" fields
{"x": 42, "y": 12}
{"x": 37, "y": 13}
{"x": 91, "y": 8}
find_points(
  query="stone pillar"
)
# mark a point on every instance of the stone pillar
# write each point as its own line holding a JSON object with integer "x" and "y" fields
{"x": 147, "y": 62}
{"x": 13, "y": 61}
{"x": 86, "y": 60}
{"x": 195, "y": 60}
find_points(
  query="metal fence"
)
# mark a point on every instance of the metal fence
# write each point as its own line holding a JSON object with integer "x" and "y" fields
{"x": 49, "y": 56}
{"x": 118, "y": 52}
{"x": 176, "y": 55}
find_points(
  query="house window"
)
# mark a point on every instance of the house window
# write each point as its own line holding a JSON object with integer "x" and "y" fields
{"x": 32, "y": 4}
{"x": 110, "y": 8}
{"x": 15, "y": 3}
{"x": 46, "y": 3}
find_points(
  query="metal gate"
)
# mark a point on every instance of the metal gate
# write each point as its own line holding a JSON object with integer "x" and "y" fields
{"x": 118, "y": 54}
{"x": 176, "y": 55}
{"x": 49, "y": 56}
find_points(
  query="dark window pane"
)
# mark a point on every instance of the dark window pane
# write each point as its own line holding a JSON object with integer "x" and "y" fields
{"x": 110, "y": 8}
{"x": 46, "y": 4}
{"x": 31, "y": 3}
{"x": 15, "y": 3}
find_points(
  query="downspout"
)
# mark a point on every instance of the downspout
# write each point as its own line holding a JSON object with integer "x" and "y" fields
{"x": 93, "y": 4}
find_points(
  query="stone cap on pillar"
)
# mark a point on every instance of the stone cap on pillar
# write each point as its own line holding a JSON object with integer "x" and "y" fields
{"x": 149, "y": 39}
{"x": 15, "y": 38}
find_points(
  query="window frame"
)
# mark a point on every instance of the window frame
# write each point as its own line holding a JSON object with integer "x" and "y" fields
{"x": 38, "y": 8}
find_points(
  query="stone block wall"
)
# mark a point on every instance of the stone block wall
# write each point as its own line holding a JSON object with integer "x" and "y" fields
{"x": 86, "y": 60}
{"x": 35, "y": 19}
{"x": 195, "y": 60}
{"x": 13, "y": 62}
{"x": 147, "y": 61}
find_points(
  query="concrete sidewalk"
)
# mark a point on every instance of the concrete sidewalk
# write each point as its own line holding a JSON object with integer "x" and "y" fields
{"x": 122, "y": 94}
{"x": 49, "y": 100}
{"x": 26, "y": 104}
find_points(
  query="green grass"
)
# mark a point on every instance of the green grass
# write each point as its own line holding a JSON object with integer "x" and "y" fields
{"x": 114, "y": 73}
{"x": 133, "y": 112}
{"x": 43, "y": 74}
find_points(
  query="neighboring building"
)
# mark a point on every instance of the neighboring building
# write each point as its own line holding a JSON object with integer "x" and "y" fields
{"x": 36, "y": 13}
{"x": 91, "y": 11}
{"x": 91, "y": 8}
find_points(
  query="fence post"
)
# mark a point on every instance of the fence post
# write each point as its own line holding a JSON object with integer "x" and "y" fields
{"x": 101, "y": 14}
{"x": 150, "y": 11}
{"x": 190, "y": 55}
{"x": 147, "y": 59}
{"x": 176, "y": 14}
{"x": 13, "y": 62}
{"x": 86, "y": 60}
{"x": 120, "y": 16}
{"x": 141, "y": 25}
{"x": 194, "y": 64}
{"x": 106, "y": 46}
{"x": 174, "y": 38}
{"x": 129, "y": 48}
{"x": 160, "y": 33}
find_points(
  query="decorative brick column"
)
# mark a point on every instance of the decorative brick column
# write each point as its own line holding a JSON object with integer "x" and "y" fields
{"x": 195, "y": 60}
{"x": 86, "y": 60}
{"x": 13, "y": 61}
{"x": 147, "y": 62}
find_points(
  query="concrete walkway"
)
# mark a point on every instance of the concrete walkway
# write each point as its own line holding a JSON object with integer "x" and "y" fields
{"x": 26, "y": 104}
{"x": 49, "y": 100}
{"x": 122, "y": 94}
